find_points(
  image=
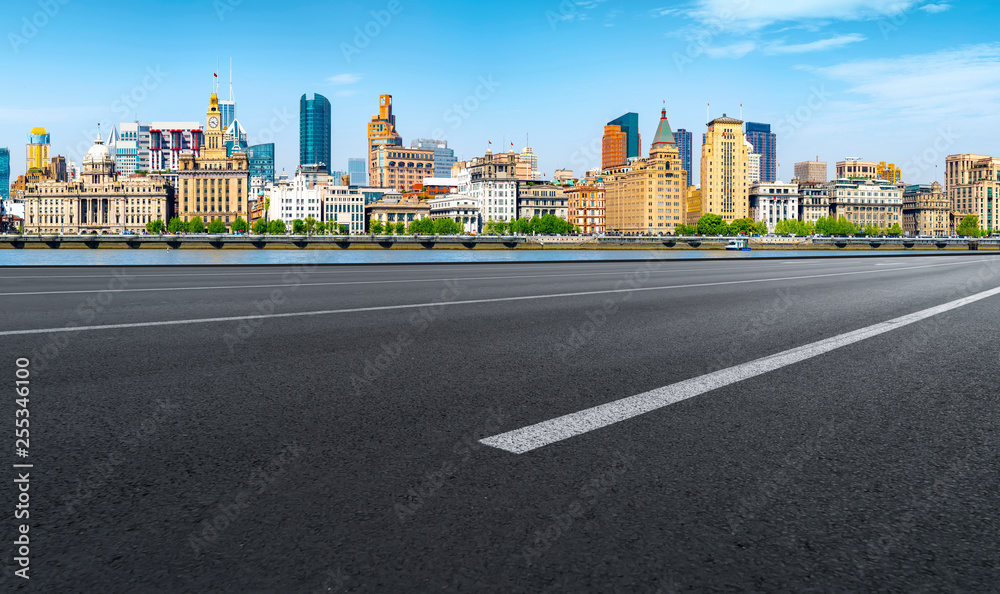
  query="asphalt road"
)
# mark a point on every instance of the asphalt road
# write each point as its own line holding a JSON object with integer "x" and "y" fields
{"x": 185, "y": 443}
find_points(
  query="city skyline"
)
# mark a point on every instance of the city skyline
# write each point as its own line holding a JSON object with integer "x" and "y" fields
{"x": 832, "y": 84}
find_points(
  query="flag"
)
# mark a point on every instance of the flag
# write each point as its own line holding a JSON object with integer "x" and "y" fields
{"x": 215, "y": 74}
{"x": 489, "y": 142}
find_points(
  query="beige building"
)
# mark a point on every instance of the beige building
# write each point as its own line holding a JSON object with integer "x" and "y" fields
{"x": 856, "y": 169}
{"x": 811, "y": 171}
{"x": 399, "y": 167}
{"x": 647, "y": 197}
{"x": 97, "y": 202}
{"x": 866, "y": 202}
{"x": 694, "y": 210}
{"x": 926, "y": 211}
{"x": 213, "y": 185}
{"x": 397, "y": 209}
{"x": 725, "y": 170}
{"x": 889, "y": 172}
{"x": 814, "y": 201}
{"x": 972, "y": 185}
{"x": 586, "y": 207}
{"x": 539, "y": 199}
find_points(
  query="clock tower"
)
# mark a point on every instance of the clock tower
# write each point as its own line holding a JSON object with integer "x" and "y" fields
{"x": 213, "y": 185}
{"x": 215, "y": 146}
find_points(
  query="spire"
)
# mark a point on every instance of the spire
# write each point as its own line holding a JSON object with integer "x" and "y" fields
{"x": 664, "y": 136}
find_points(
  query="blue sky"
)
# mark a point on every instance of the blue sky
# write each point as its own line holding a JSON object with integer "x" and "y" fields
{"x": 895, "y": 80}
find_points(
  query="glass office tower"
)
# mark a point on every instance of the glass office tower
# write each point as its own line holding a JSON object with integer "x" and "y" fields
{"x": 261, "y": 161}
{"x": 314, "y": 131}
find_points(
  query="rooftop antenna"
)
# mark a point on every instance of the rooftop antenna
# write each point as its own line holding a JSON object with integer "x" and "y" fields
{"x": 215, "y": 79}
{"x": 708, "y": 111}
{"x": 231, "y": 79}
{"x": 741, "y": 111}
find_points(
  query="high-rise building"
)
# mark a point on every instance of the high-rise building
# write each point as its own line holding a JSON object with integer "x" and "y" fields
{"x": 4, "y": 173}
{"x": 621, "y": 141}
{"x": 724, "y": 170}
{"x": 381, "y": 133}
{"x": 38, "y": 149}
{"x": 813, "y": 172}
{"x": 972, "y": 185}
{"x": 235, "y": 138}
{"x": 889, "y": 172}
{"x": 753, "y": 165}
{"x": 647, "y": 196}
{"x": 856, "y": 169}
{"x": 357, "y": 169}
{"x": 444, "y": 157}
{"x": 314, "y": 131}
{"x": 167, "y": 140}
{"x": 260, "y": 158}
{"x": 213, "y": 185}
{"x": 764, "y": 144}
{"x": 684, "y": 140}
{"x": 529, "y": 158}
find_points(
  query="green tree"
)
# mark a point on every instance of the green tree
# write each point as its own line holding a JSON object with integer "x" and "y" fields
{"x": 969, "y": 227}
{"x": 400, "y": 228}
{"x": 196, "y": 225}
{"x": 894, "y": 231}
{"x": 310, "y": 225}
{"x": 321, "y": 227}
{"x": 216, "y": 226}
{"x": 240, "y": 225}
{"x": 760, "y": 228}
{"x": 375, "y": 227}
{"x": 155, "y": 226}
{"x": 446, "y": 226}
{"x": 712, "y": 224}
{"x": 298, "y": 227}
{"x": 176, "y": 225}
{"x": 871, "y": 230}
{"x": 260, "y": 226}
{"x": 683, "y": 229}
{"x": 276, "y": 227}
{"x": 741, "y": 226}
{"x": 422, "y": 226}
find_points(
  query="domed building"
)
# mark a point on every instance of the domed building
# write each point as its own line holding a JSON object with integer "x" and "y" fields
{"x": 97, "y": 202}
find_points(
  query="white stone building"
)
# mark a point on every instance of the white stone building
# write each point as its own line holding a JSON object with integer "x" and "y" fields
{"x": 344, "y": 205}
{"x": 459, "y": 207}
{"x": 774, "y": 201}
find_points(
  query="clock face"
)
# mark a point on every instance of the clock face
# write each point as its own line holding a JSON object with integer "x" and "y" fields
{"x": 213, "y": 122}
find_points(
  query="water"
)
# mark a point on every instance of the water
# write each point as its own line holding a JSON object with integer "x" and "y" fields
{"x": 158, "y": 257}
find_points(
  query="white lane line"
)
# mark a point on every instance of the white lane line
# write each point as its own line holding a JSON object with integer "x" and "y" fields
{"x": 292, "y": 268}
{"x": 548, "y": 432}
{"x": 335, "y": 283}
{"x": 299, "y": 314}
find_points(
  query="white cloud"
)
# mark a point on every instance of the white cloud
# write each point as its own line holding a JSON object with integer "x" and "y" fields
{"x": 344, "y": 79}
{"x": 814, "y": 46}
{"x": 736, "y": 50}
{"x": 756, "y": 14}
{"x": 935, "y": 8}
{"x": 954, "y": 83}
